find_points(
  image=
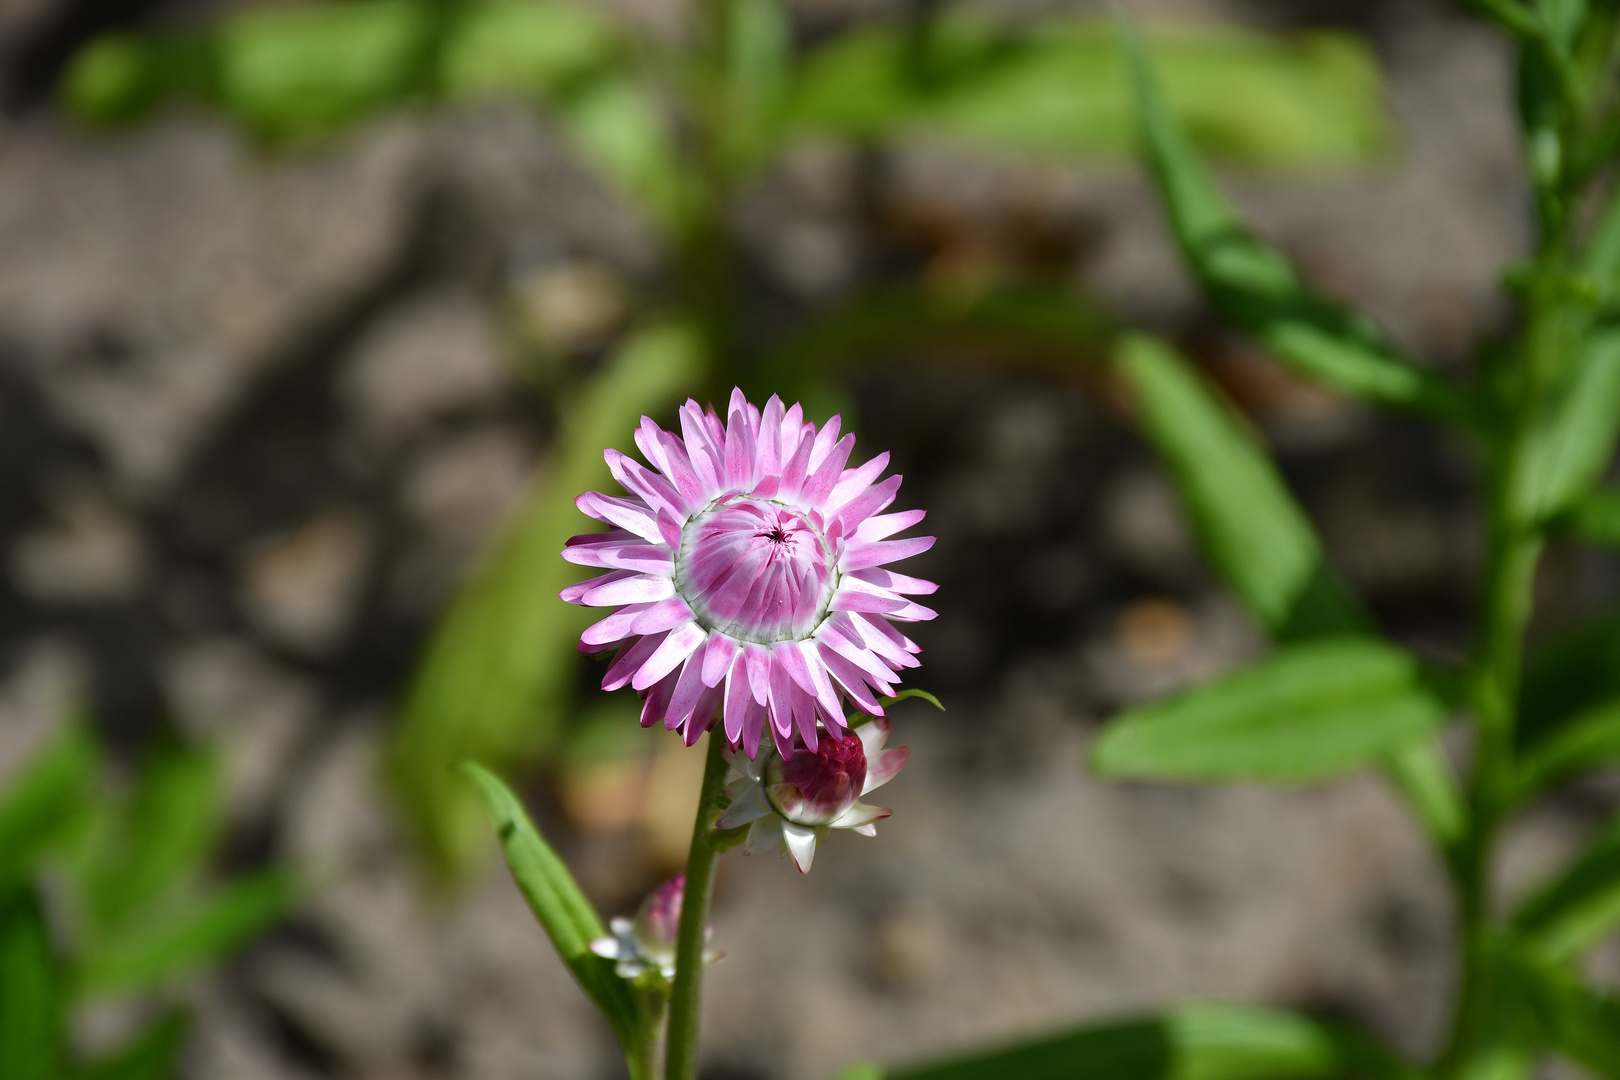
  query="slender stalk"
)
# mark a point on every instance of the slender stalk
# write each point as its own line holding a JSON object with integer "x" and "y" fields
{"x": 643, "y": 1064}
{"x": 686, "y": 997}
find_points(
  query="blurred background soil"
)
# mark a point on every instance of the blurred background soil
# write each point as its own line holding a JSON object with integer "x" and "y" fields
{"x": 257, "y": 411}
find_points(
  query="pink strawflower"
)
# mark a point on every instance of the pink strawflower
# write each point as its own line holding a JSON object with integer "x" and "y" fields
{"x": 791, "y": 803}
{"x": 749, "y": 563}
{"x": 647, "y": 942}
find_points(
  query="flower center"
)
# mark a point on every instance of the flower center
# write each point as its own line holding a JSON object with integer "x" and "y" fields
{"x": 755, "y": 570}
{"x": 815, "y": 786}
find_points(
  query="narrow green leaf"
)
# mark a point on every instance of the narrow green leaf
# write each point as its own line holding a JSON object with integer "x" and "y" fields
{"x": 1578, "y": 908}
{"x": 1306, "y": 712}
{"x": 1581, "y": 1023}
{"x": 1196, "y": 1043}
{"x": 46, "y": 796}
{"x": 758, "y": 45}
{"x": 1575, "y": 676}
{"x": 564, "y": 913}
{"x": 1254, "y": 287}
{"x": 152, "y": 1055}
{"x": 620, "y": 128}
{"x": 1246, "y": 520}
{"x": 1588, "y": 740}
{"x": 496, "y": 678}
{"x": 165, "y": 834}
{"x": 913, "y": 692}
{"x": 1058, "y": 86}
{"x": 186, "y": 934}
{"x": 32, "y": 1009}
{"x": 1572, "y": 438}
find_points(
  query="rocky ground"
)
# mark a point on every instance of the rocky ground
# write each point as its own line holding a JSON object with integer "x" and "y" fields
{"x": 256, "y": 412}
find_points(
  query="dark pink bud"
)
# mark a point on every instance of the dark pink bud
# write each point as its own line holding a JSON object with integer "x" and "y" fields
{"x": 658, "y": 921}
{"x": 813, "y": 787}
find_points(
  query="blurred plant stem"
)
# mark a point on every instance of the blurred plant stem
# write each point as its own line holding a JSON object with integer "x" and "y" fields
{"x": 686, "y": 998}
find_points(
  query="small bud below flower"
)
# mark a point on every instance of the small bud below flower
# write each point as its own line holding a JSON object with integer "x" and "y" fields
{"x": 647, "y": 943}
{"x": 813, "y": 787}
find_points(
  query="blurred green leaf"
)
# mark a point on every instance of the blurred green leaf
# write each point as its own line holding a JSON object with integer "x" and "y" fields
{"x": 1573, "y": 676}
{"x": 166, "y": 832}
{"x": 758, "y": 44}
{"x": 301, "y": 69}
{"x": 564, "y": 913}
{"x": 495, "y": 681}
{"x": 1588, "y": 740}
{"x": 47, "y": 796}
{"x": 528, "y": 47}
{"x": 1306, "y": 712}
{"x": 1579, "y": 907}
{"x": 153, "y": 1055}
{"x": 1020, "y": 318}
{"x": 1254, "y": 287}
{"x": 32, "y": 1007}
{"x": 1595, "y": 518}
{"x": 1192, "y": 1043}
{"x": 186, "y": 933}
{"x": 620, "y": 129}
{"x": 119, "y": 78}
{"x": 1246, "y": 520}
{"x": 1572, "y": 438}
{"x": 1059, "y": 87}
{"x": 1581, "y": 1023}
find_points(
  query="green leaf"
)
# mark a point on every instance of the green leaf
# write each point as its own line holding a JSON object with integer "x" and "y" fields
{"x": 1574, "y": 677}
{"x": 1572, "y": 438}
{"x": 1581, "y": 1023}
{"x": 620, "y": 129}
{"x": 186, "y": 934}
{"x": 1247, "y": 522}
{"x": 564, "y": 913}
{"x": 47, "y": 796}
{"x": 1059, "y": 87}
{"x": 496, "y": 679}
{"x": 32, "y": 1009}
{"x": 1595, "y": 518}
{"x": 165, "y": 834}
{"x": 1306, "y": 712}
{"x": 121, "y": 77}
{"x": 526, "y": 47}
{"x": 1579, "y": 907}
{"x": 294, "y": 70}
{"x": 1588, "y": 740}
{"x": 912, "y": 693}
{"x": 1195, "y": 1043}
{"x": 758, "y": 47}
{"x": 1255, "y": 288}
{"x": 152, "y": 1055}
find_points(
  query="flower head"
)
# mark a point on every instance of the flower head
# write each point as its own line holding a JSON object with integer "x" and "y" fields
{"x": 747, "y": 568}
{"x": 791, "y": 802}
{"x": 647, "y": 942}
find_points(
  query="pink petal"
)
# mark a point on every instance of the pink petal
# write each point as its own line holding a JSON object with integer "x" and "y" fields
{"x": 738, "y": 699}
{"x": 637, "y": 589}
{"x": 615, "y": 627}
{"x": 651, "y": 488}
{"x": 896, "y": 583}
{"x": 873, "y": 735}
{"x": 770, "y": 438}
{"x": 804, "y": 714}
{"x": 854, "y": 481}
{"x": 884, "y": 526}
{"x": 855, "y": 513}
{"x": 881, "y": 769}
{"x": 859, "y": 556}
{"x": 740, "y": 452}
{"x": 826, "y": 475}
{"x": 687, "y": 691}
{"x": 797, "y": 468}
{"x": 703, "y": 714}
{"x": 849, "y": 677}
{"x": 717, "y": 658}
{"x": 826, "y": 439}
{"x": 656, "y": 701}
{"x": 631, "y": 514}
{"x": 661, "y": 616}
{"x": 575, "y": 593}
{"x": 707, "y": 459}
{"x": 758, "y": 661}
{"x": 629, "y": 661}
{"x": 681, "y": 472}
{"x": 753, "y": 727}
{"x": 675, "y": 648}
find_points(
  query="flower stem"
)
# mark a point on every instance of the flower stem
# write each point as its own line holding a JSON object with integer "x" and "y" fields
{"x": 686, "y": 997}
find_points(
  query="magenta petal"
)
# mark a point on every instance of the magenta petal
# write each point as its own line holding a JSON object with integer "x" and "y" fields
{"x": 702, "y": 714}
{"x": 632, "y": 515}
{"x": 797, "y": 468}
{"x": 629, "y": 661}
{"x": 804, "y": 715}
{"x": 882, "y": 768}
{"x": 656, "y": 701}
{"x": 717, "y": 657}
{"x": 664, "y": 615}
{"x": 849, "y": 677}
{"x": 687, "y": 691}
{"x": 858, "y": 510}
{"x": 738, "y": 698}
{"x": 758, "y": 661}
{"x": 884, "y": 526}
{"x": 893, "y": 582}
{"x": 575, "y": 593}
{"x": 613, "y": 628}
{"x": 859, "y": 556}
{"x": 827, "y": 473}
{"x": 637, "y": 589}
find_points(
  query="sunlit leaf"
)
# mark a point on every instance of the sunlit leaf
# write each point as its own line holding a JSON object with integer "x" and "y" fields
{"x": 1572, "y": 438}
{"x": 46, "y": 796}
{"x": 1256, "y": 290}
{"x": 564, "y": 913}
{"x": 531, "y": 48}
{"x": 496, "y": 679}
{"x": 1197, "y": 1043}
{"x": 287, "y": 70}
{"x": 1579, "y": 907}
{"x": 1306, "y": 712}
{"x": 912, "y": 692}
{"x": 178, "y": 938}
{"x": 1247, "y": 521}
{"x": 152, "y": 1055}
{"x": 32, "y": 1006}
{"x": 1059, "y": 86}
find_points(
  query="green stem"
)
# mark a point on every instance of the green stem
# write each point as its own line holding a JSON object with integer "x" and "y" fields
{"x": 686, "y": 997}
{"x": 643, "y": 1064}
